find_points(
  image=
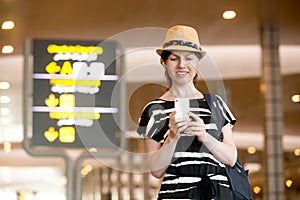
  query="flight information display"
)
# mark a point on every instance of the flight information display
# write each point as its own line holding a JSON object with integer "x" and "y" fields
{"x": 73, "y": 85}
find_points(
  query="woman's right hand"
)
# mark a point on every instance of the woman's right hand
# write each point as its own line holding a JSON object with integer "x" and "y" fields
{"x": 160, "y": 157}
{"x": 177, "y": 126}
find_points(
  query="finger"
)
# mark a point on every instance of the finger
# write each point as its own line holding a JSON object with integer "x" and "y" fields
{"x": 171, "y": 118}
{"x": 172, "y": 114}
{"x": 182, "y": 128}
{"x": 195, "y": 133}
{"x": 178, "y": 127}
{"x": 196, "y": 117}
{"x": 182, "y": 120}
{"x": 182, "y": 123}
{"x": 197, "y": 124}
{"x": 195, "y": 129}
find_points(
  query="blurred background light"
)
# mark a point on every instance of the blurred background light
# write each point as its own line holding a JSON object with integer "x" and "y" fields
{"x": 289, "y": 183}
{"x": 8, "y": 25}
{"x": 229, "y": 14}
{"x": 4, "y": 99}
{"x": 7, "y": 49}
{"x": 297, "y": 152}
{"x": 7, "y": 147}
{"x": 296, "y": 98}
{"x": 251, "y": 150}
{"x": 256, "y": 189}
{"x": 4, "y": 85}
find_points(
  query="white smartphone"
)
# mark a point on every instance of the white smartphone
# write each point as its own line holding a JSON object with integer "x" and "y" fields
{"x": 182, "y": 107}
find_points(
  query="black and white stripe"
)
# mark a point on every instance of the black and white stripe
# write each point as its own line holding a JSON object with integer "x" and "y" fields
{"x": 191, "y": 160}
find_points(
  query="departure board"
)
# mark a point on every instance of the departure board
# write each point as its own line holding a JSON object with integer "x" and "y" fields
{"x": 73, "y": 85}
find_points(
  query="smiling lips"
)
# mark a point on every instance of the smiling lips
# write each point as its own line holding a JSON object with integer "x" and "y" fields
{"x": 182, "y": 73}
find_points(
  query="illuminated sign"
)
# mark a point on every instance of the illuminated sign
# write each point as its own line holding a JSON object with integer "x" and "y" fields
{"x": 73, "y": 82}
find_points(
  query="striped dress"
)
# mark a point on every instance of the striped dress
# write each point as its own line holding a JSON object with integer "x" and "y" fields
{"x": 194, "y": 173}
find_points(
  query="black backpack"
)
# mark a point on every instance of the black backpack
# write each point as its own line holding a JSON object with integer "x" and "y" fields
{"x": 237, "y": 176}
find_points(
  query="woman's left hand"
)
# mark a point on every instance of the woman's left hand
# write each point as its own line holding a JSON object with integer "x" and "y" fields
{"x": 196, "y": 127}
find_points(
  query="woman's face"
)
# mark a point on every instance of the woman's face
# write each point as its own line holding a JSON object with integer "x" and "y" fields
{"x": 181, "y": 66}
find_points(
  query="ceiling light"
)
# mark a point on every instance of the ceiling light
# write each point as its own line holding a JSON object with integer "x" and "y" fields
{"x": 251, "y": 150}
{"x": 83, "y": 172}
{"x": 295, "y": 98}
{"x": 4, "y": 85}
{"x": 4, "y": 111}
{"x": 256, "y": 189}
{"x": 88, "y": 168}
{"x": 297, "y": 152}
{"x": 4, "y": 99}
{"x": 7, "y": 147}
{"x": 288, "y": 183}
{"x": 7, "y": 49}
{"x": 229, "y": 14}
{"x": 8, "y": 25}
{"x": 263, "y": 87}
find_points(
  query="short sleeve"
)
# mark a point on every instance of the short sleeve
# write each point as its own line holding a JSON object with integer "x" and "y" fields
{"x": 144, "y": 121}
{"x": 227, "y": 114}
{"x": 153, "y": 122}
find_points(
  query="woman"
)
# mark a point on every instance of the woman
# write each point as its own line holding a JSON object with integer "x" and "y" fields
{"x": 186, "y": 152}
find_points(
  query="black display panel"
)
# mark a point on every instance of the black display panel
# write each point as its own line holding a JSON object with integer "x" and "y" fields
{"x": 73, "y": 86}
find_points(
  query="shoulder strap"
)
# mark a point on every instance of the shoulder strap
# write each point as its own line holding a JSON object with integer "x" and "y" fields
{"x": 216, "y": 113}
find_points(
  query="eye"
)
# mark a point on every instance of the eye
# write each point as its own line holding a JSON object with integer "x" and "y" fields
{"x": 173, "y": 58}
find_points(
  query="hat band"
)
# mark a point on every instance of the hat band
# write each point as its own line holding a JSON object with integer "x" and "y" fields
{"x": 182, "y": 43}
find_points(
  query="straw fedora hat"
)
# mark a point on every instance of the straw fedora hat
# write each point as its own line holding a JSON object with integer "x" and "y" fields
{"x": 180, "y": 37}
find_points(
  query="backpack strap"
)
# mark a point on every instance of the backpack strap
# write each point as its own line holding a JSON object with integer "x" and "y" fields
{"x": 238, "y": 177}
{"x": 216, "y": 113}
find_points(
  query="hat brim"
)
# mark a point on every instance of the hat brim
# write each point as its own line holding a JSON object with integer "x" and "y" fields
{"x": 180, "y": 48}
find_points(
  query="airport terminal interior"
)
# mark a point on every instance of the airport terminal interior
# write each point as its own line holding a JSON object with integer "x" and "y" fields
{"x": 54, "y": 148}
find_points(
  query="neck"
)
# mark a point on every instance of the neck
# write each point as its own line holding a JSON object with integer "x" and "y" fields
{"x": 186, "y": 92}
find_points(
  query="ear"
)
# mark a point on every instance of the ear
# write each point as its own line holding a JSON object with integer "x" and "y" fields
{"x": 196, "y": 76}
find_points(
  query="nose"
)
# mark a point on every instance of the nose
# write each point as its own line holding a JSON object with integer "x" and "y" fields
{"x": 182, "y": 63}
